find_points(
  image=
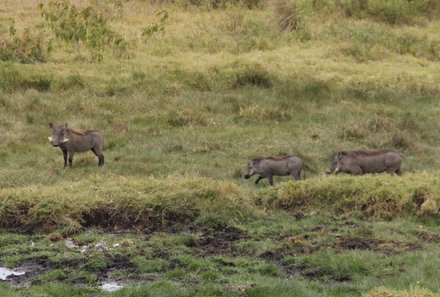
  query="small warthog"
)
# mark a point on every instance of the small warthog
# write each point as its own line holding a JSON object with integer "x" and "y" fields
{"x": 71, "y": 141}
{"x": 275, "y": 166}
{"x": 366, "y": 161}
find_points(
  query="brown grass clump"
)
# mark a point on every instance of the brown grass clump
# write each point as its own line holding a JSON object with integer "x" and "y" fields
{"x": 429, "y": 207}
{"x": 289, "y": 14}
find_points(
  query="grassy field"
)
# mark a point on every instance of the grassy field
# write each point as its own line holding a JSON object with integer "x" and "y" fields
{"x": 184, "y": 103}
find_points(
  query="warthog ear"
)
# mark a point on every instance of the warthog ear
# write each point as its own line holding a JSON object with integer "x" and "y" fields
{"x": 341, "y": 154}
{"x": 50, "y": 125}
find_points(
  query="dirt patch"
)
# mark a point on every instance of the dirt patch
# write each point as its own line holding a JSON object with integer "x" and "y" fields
{"x": 377, "y": 245}
{"x": 292, "y": 245}
{"x": 33, "y": 270}
{"x": 277, "y": 255}
{"x": 107, "y": 220}
{"x": 219, "y": 240}
{"x": 323, "y": 274}
{"x": 122, "y": 263}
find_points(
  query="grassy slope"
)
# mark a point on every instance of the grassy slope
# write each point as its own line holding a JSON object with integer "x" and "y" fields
{"x": 187, "y": 107}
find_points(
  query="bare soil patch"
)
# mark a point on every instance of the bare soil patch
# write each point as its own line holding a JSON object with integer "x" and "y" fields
{"x": 219, "y": 240}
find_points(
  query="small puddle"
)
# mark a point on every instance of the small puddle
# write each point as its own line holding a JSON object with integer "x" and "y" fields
{"x": 5, "y": 272}
{"x": 111, "y": 286}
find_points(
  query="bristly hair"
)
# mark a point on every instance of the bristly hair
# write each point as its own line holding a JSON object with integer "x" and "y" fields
{"x": 79, "y": 132}
{"x": 368, "y": 152}
{"x": 276, "y": 158}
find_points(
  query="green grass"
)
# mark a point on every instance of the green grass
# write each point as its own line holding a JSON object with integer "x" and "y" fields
{"x": 183, "y": 115}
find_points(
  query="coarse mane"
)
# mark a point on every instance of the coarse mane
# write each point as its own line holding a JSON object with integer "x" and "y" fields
{"x": 79, "y": 132}
{"x": 367, "y": 152}
{"x": 276, "y": 158}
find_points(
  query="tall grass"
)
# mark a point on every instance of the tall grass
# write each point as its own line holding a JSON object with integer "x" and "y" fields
{"x": 116, "y": 201}
{"x": 379, "y": 197}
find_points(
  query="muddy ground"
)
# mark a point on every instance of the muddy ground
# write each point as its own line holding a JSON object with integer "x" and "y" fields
{"x": 191, "y": 254}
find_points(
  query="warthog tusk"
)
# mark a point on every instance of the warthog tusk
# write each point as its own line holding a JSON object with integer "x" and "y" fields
{"x": 50, "y": 138}
{"x": 337, "y": 170}
{"x": 65, "y": 140}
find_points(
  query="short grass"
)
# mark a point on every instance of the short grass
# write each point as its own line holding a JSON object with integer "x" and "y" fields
{"x": 182, "y": 117}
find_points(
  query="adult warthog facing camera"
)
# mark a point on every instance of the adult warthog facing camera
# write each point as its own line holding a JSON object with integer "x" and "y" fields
{"x": 366, "y": 161}
{"x": 71, "y": 141}
{"x": 275, "y": 166}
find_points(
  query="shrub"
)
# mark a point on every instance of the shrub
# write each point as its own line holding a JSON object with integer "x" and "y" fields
{"x": 390, "y": 11}
{"x": 28, "y": 47}
{"x": 251, "y": 74}
{"x": 290, "y": 15}
{"x": 84, "y": 26}
{"x": 157, "y": 27}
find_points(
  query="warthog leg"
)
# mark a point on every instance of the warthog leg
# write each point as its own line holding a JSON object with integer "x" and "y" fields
{"x": 270, "y": 178}
{"x": 71, "y": 158}
{"x": 101, "y": 160}
{"x": 100, "y": 156}
{"x": 296, "y": 175}
{"x": 258, "y": 180}
{"x": 65, "y": 158}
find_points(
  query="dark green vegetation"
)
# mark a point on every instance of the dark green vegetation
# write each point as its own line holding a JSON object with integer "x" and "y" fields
{"x": 274, "y": 254}
{"x": 185, "y": 93}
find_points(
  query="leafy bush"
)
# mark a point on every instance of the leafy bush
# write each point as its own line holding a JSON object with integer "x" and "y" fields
{"x": 83, "y": 26}
{"x": 156, "y": 27}
{"x": 28, "y": 47}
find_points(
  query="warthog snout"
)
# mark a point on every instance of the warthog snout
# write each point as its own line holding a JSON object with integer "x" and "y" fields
{"x": 57, "y": 143}
{"x": 247, "y": 176}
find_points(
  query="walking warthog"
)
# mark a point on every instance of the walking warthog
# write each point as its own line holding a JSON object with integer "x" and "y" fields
{"x": 275, "y": 166}
{"x": 366, "y": 161}
{"x": 71, "y": 141}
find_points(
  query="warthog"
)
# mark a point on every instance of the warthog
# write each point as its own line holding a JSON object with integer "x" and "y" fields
{"x": 275, "y": 166}
{"x": 366, "y": 161}
{"x": 71, "y": 141}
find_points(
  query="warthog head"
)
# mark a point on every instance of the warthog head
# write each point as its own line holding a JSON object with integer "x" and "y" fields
{"x": 337, "y": 163}
{"x": 250, "y": 168}
{"x": 58, "y": 134}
